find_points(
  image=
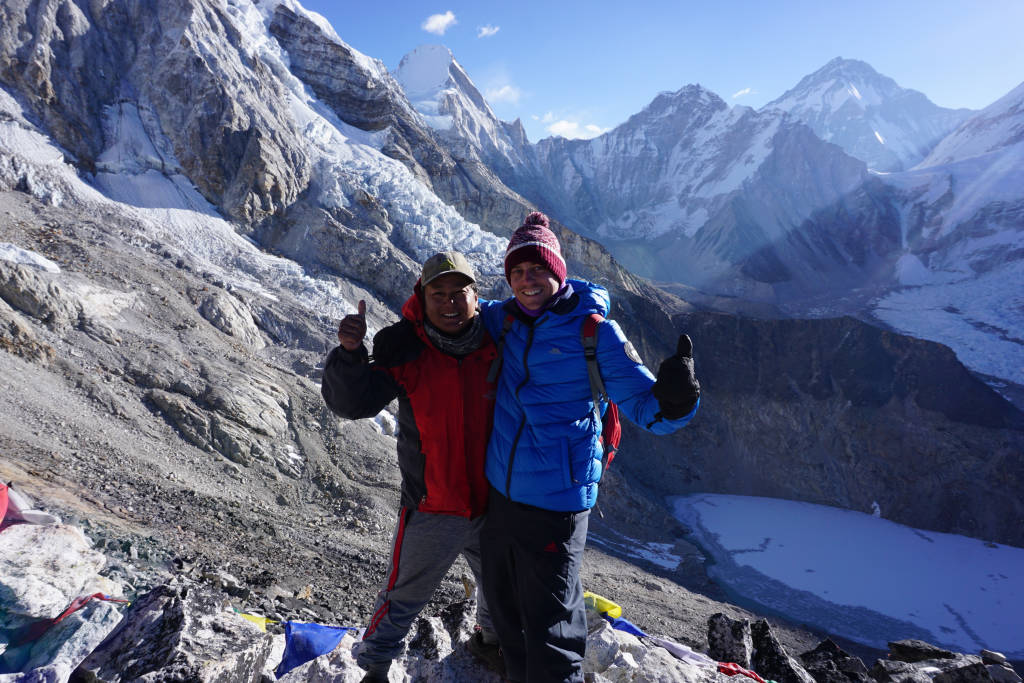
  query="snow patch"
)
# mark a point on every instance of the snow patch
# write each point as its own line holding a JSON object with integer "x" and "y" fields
{"x": 963, "y": 593}
{"x": 133, "y": 150}
{"x": 659, "y": 554}
{"x": 15, "y": 254}
{"x": 424, "y": 70}
{"x": 981, "y": 317}
{"x": 385, "y": 423}
{"x": 100, "y": 302}
{"x": 911, "y": 271}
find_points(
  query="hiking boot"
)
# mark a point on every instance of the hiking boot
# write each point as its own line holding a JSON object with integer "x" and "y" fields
{"x": 374, "y": 677}
{"x": 488, "y": 653}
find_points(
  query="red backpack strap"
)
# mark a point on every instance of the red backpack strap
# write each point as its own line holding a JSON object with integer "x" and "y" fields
{"x": 611, "y": 429}
{"x": 597, "y": 390}
{"x": 492, "y": 374}
{"x": 589, "y": 337}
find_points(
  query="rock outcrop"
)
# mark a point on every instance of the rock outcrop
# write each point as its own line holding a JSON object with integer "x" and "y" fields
{"x": 232, "y": 317}
{"x": 829, "y": 663}
{"x": 43, "y": 570}
{"x": 180, "y": 631}
{"x": 17, "y": 337}
{"x": 187, "y": 629}
{"x": 38, "y": 295}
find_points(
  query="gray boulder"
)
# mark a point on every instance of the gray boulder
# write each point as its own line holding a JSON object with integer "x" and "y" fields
{"x": 59, "y": 651}
{"x": 39, "y": 296}
{"x": 251, "y": 400}
{"x": 17, "y": 337}
{"x": 958, "y": 669}
{"x": 180, "y": 631}
{"x": 191, "y": 421}
{"x": 729, "y": 640}
{"x": 207, "y": 430}
{"x": 44, "y": 568}
{"x": 232, "y": 317}
{"x": 828, "y": 663}
{"x": 913, "y": 650}
{"x": 770, "y": 658}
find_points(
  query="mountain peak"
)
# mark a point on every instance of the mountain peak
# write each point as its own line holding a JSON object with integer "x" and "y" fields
{"x": 425, "y": 69}
{"x": 850, "y": 67}
{"x": 848, "y": 103}
{"x": 841, "y": 82}
{"x": 689, "y": 96}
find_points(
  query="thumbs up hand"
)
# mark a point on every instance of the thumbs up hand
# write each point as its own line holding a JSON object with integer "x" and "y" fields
{"x": 677, "y": 388}
{"x": 352, "y": 328}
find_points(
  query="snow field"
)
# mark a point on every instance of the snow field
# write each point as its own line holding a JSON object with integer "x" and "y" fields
{"x": 963, "y": 593}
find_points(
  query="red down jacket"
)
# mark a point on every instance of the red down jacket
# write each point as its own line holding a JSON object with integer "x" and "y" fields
{"x": 445, "y": 410}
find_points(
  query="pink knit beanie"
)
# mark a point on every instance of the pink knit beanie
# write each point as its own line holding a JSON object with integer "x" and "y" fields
{"x": 534, "y": 241}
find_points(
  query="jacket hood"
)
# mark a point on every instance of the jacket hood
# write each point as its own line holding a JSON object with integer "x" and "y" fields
{"x": 592, "y": 298}
{"x": 412, "y": 310}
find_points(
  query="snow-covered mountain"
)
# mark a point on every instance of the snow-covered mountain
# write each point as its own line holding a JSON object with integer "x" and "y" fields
{"x": 873, "y": 119}
{"x": 962, "y": 257}
{"x": 690, "y": 190}
{"x": 998, "y": 127}
{"x": 441, "y": 91}
{"x": 779, "y": 210}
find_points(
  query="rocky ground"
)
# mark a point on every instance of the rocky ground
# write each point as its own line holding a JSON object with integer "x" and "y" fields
{"x": 181, "y": 448}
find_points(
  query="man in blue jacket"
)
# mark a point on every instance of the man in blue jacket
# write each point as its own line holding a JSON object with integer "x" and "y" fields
{"x": 544, "y": 458}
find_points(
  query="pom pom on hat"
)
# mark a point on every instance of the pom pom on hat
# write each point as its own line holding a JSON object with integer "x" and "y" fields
{"x": 534, "y": 241}
{"x": 537, "y": 218}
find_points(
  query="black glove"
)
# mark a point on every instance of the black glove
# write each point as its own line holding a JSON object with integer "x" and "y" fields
{"x": 677, "y": 388}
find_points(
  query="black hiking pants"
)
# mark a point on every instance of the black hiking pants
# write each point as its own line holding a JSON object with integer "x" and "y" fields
{"x": 530, "y": 561}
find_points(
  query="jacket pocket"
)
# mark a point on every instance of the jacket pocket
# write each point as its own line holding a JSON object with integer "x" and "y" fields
{"x": 565, "y": 461}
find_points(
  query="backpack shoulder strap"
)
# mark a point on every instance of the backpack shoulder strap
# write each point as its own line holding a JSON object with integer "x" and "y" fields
{"x": 492, "y": 374}
{"x": 588, "y": 334}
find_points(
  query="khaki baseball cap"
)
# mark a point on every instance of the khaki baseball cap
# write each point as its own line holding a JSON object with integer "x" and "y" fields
{"x": 443, "y": 263}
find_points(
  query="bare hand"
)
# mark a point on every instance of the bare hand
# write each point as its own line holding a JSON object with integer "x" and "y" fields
{"x": 352, "y": 328}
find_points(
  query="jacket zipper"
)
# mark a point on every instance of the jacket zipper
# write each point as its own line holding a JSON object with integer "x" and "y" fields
{"x": 522, "y": 421}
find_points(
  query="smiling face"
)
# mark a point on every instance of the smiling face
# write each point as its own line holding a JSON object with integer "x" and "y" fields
{"x": 532, "y": 284}
{"x": 450, "y": 302}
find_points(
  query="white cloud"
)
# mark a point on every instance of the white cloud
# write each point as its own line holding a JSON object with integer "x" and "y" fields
{"x": 574, "y": 129}
{"x": 439, "y": 23}
{"x": 741, "y": 93}
{"x": 487, "y": 31}
{"x": 506, "y": 93}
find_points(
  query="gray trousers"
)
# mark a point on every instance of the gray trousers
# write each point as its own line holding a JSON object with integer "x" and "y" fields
{"x": 423, "y": 549}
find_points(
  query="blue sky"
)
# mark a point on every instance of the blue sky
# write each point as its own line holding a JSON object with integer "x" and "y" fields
{"x": 577, "y": 68}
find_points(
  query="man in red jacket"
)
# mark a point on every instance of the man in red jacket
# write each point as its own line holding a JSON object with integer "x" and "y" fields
{"x": 435, "y": 361}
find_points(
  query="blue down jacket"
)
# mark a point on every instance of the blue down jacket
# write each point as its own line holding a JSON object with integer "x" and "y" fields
{"x": 544, "y": 449}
